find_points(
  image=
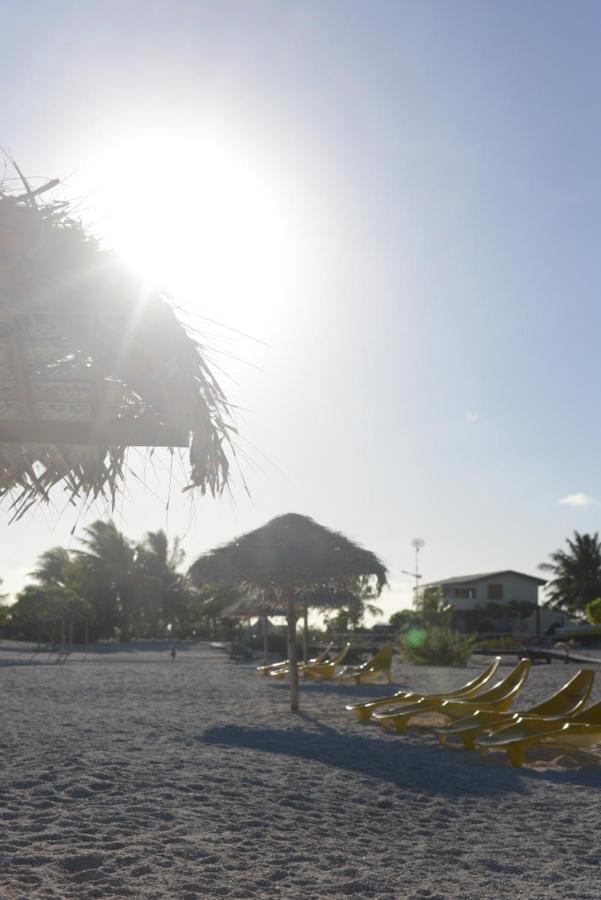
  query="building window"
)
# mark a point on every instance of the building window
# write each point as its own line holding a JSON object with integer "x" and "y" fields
{"x": 495, "y": 592}
{"x": 464, "y": 593}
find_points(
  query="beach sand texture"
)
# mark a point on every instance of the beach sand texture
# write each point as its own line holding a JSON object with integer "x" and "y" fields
{"x": 125, "y": 775}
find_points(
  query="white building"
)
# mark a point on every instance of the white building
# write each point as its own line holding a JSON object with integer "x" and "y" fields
{"x": 470, "y": 592}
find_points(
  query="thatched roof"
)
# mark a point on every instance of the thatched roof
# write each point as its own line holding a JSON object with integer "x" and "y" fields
{"x": 325, "y": 597}
{"x": 290, "y": 551}
{"x": 251, "y": 600}
{"x": 254, "y": 601}
{"x": 92, "y": 361}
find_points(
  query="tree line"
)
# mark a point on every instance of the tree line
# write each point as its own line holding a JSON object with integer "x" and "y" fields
{"x": 108, "y": 588}
{"x": 113, "y": 588}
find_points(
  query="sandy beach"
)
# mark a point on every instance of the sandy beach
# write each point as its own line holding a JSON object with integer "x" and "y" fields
{"x": 126, "y": 775}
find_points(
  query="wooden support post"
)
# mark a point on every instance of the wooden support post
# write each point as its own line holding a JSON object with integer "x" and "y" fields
{"x": 265, "y": 640}
{"x": 292, "y": 651}
{"x": 306, "y": 635}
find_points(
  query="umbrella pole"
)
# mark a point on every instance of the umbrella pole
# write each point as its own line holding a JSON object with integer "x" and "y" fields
{"x": 306, "y": 635}
{"x": 265, "y": 641}
{"x": 292, "y": 653}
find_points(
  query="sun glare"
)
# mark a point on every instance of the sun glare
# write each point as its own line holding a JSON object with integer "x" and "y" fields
{"x": 191, "y": 215}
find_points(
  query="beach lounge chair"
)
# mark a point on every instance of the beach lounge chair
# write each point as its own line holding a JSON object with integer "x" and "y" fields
{"x": 325, "y": 671}
{"x": 321, "y": 670}
{"x": 565, "y": 702}
{"x": 285, "y": 663}
{"x": 499, "y": 697}
{"x": 581, "y": 731}
{"x": 364, "y": 710}
{"x": 379, "y": 665}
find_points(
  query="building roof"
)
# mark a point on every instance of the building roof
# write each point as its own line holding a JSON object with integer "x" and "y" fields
{"x": 484, "y": 576}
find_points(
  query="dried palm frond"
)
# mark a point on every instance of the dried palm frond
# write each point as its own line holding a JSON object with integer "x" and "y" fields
{"x": 92, "y": 361}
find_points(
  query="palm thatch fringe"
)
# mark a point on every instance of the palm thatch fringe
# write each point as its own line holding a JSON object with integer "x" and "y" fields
{"x": 251, "y": 600}
{"x": 92, "y": 361}
{"x": 255, "y": 601}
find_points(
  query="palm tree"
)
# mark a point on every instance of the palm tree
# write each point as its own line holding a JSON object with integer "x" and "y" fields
{"x": 363, "y": 592}
{"x": 166, "y": 590}
{"x": 576, "y": 573}
{"x": 108, "y": 577}
{"x": 58, "y": 590}
{"x": 53, "y": 567}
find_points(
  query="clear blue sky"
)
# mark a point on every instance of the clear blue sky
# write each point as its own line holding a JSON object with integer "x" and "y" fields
{"x": 432, "y": 357}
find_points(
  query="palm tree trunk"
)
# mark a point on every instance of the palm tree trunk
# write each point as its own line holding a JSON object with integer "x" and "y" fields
{"x": 292, "y": 651}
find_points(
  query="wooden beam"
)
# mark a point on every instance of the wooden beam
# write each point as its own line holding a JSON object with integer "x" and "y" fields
{"x": 115, "y": 434}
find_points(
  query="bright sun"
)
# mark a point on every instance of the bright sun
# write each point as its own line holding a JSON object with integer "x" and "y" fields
{"x": 191, "y": 215}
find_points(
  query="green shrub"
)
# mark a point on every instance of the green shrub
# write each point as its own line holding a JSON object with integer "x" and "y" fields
{"x": 503, "y": 642}
{"x": 593, "y": 611}
{"x": 438, "y": 646}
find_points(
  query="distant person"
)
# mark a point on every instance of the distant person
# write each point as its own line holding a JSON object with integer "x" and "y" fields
{"x": 172, "y": 652}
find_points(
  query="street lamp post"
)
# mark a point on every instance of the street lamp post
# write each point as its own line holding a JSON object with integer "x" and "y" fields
{"x": 417, "y": 543}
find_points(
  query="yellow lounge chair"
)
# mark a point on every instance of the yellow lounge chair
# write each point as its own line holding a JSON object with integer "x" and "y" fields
{"x": 285, "y": 663}
{"x": 565, "y": 702}
{"x": 364, "y": 710}
{"x": 327, "y": 670}
{"x": 499, "y": 697}
{"x": 581, "y": 731}
{"x": 379, "y": 664}
{"x": 322, "y": 670}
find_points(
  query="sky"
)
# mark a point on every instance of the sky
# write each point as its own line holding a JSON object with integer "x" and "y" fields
{"x": 393, "y": 212}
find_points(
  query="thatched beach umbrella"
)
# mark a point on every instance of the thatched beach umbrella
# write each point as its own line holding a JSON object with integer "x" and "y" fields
{"x": 92, "y": 361}
{"x": 291, "y": 553}
{"x": 255, "y": 601}
{"x": 270, "y": 601}
{"x": 321, "y": 597}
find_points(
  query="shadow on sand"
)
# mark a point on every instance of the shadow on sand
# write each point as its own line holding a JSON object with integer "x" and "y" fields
{"x": 422, "y": 768}
{"x": 346, "y": 689}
